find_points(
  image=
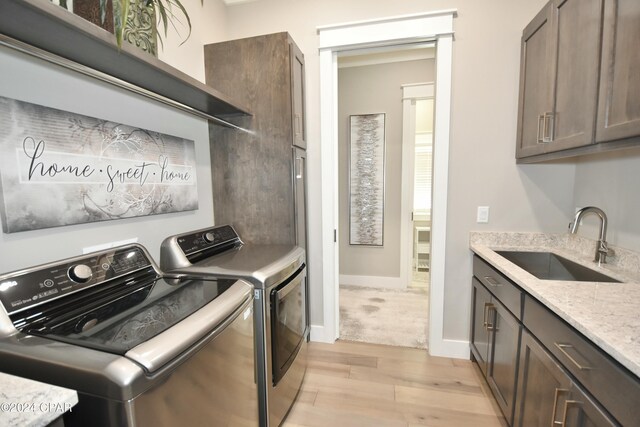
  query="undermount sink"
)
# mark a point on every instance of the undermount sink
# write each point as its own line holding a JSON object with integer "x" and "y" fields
{"x": 549, "y": 266}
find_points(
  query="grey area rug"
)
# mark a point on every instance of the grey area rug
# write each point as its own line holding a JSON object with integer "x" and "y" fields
{"x": 384, "y": 316}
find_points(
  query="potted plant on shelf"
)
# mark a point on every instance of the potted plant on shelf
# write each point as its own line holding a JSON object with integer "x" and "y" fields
{"x": 132, "y": 20}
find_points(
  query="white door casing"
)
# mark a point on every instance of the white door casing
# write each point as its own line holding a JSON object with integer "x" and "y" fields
{"x": 399, "y": 30}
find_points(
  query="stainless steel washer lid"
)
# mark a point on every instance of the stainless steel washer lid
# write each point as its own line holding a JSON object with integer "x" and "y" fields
{"x": 261, "y": 265}
{"x": 159, "y": 350}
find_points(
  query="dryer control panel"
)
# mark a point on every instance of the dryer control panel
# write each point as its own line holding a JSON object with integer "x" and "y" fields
{"x": 223, "y": 237}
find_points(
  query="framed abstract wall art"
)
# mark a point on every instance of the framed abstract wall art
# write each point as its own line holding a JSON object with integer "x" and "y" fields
{"x": 366, "y": 179}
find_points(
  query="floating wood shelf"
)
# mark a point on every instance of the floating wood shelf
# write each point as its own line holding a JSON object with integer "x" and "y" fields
{"x": 80, "y": 45}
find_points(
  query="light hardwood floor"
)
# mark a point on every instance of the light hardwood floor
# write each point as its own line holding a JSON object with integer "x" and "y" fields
{"x": 370, "y": 385}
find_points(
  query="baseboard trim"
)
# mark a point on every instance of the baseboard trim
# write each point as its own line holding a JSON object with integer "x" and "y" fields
{"x": 318, "y": 334}
{"x": 455, "y": 349}
{"x": 372, "y": 281}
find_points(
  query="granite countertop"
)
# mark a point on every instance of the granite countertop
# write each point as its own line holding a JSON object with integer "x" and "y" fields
{"x": 30, "y": 403}
{"x": 606, "y": 313}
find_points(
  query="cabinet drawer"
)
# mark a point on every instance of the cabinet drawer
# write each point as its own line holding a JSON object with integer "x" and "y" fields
{"x": 613, "y": 386}
{"x": 509, "y": 295}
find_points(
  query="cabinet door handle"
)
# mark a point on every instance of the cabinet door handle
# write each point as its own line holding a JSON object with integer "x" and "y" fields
{"x": 563, "y": 347}
{"x": 298, "y": 167}
{"x": 487, "y": 306}
{"x": 298, "y": 124}
{"x": 492, "y": 281}
{"x": 547, "y": 128}
{"x": 555, "y": 423}
{"x": 539, "y": 139}
{"x": 493, "y": 326}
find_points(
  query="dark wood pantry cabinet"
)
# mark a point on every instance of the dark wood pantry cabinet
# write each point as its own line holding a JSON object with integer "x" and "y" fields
{"x": 579, "y": 84}
{"x": 259, "y": 176}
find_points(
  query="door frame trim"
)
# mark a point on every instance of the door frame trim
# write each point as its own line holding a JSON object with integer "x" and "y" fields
{"x": 417, "y": 28}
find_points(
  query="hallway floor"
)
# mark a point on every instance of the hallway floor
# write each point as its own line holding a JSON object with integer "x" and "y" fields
{"x": 396, "y": 317}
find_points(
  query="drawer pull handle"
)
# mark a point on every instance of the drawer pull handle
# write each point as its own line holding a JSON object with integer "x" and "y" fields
{"x": 555, "y": 423}
{"x": 492, "y": 281}
{"x": 566, "y": 409}
{"x": 563, "y": 347}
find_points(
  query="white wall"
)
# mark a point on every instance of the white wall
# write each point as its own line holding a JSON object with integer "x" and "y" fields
{"x": 375, "y": 89}
{"x": 209, "y": 24}
{"x": 610, "y": 182}
{"x": 32, "y": 80}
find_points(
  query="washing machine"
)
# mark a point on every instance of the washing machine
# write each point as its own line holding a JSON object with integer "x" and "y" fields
{"x": 140, "y": 349}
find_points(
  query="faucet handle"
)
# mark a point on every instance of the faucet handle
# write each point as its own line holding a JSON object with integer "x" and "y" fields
{"x": 610, "y": 251}
{"x": 603, "y": 252}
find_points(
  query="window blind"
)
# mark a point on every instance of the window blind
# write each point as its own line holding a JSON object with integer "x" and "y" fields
{"x": 423, "y": 173}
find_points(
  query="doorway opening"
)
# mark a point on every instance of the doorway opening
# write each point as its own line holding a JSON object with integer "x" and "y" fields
{"x": 417, "y": 164}
{"x": 436, "y": 27}
{"x": 380, "y": 302}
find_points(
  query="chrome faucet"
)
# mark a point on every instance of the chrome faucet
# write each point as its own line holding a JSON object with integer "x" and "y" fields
{"x": 602, "y": 248}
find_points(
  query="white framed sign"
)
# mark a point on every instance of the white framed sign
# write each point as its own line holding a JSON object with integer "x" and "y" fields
{"x": 60, "y": 168}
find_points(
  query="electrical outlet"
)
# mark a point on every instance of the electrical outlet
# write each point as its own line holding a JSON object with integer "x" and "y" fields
{"x": 483, "y": 215}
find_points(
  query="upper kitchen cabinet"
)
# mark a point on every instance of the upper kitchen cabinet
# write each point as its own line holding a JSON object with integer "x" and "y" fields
{"x": 258, "y": 176}
{"x": 559, "y": 77}
{"x": 619, "y": 100}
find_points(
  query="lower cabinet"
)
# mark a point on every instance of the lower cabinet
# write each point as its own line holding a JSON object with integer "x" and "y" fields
{"x": 541, "y": 371}
{"x": 548, "y": 396}
{"x": 495, "y": 341}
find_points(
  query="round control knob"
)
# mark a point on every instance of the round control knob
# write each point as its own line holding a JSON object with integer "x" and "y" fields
{"x": 80, "y": 273}
{"x": 209, "y": 237}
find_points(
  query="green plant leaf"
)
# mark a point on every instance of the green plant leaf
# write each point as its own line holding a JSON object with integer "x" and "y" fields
{"x": 103, "y": 11}
{"x": 163, "y": 14}
{"x": 123, "y": 21}
{"x": 186, "y": 15}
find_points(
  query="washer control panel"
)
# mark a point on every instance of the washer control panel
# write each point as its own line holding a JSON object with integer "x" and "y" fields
{"x": 35, "y": 286}
{"x": 207, "y": 239}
